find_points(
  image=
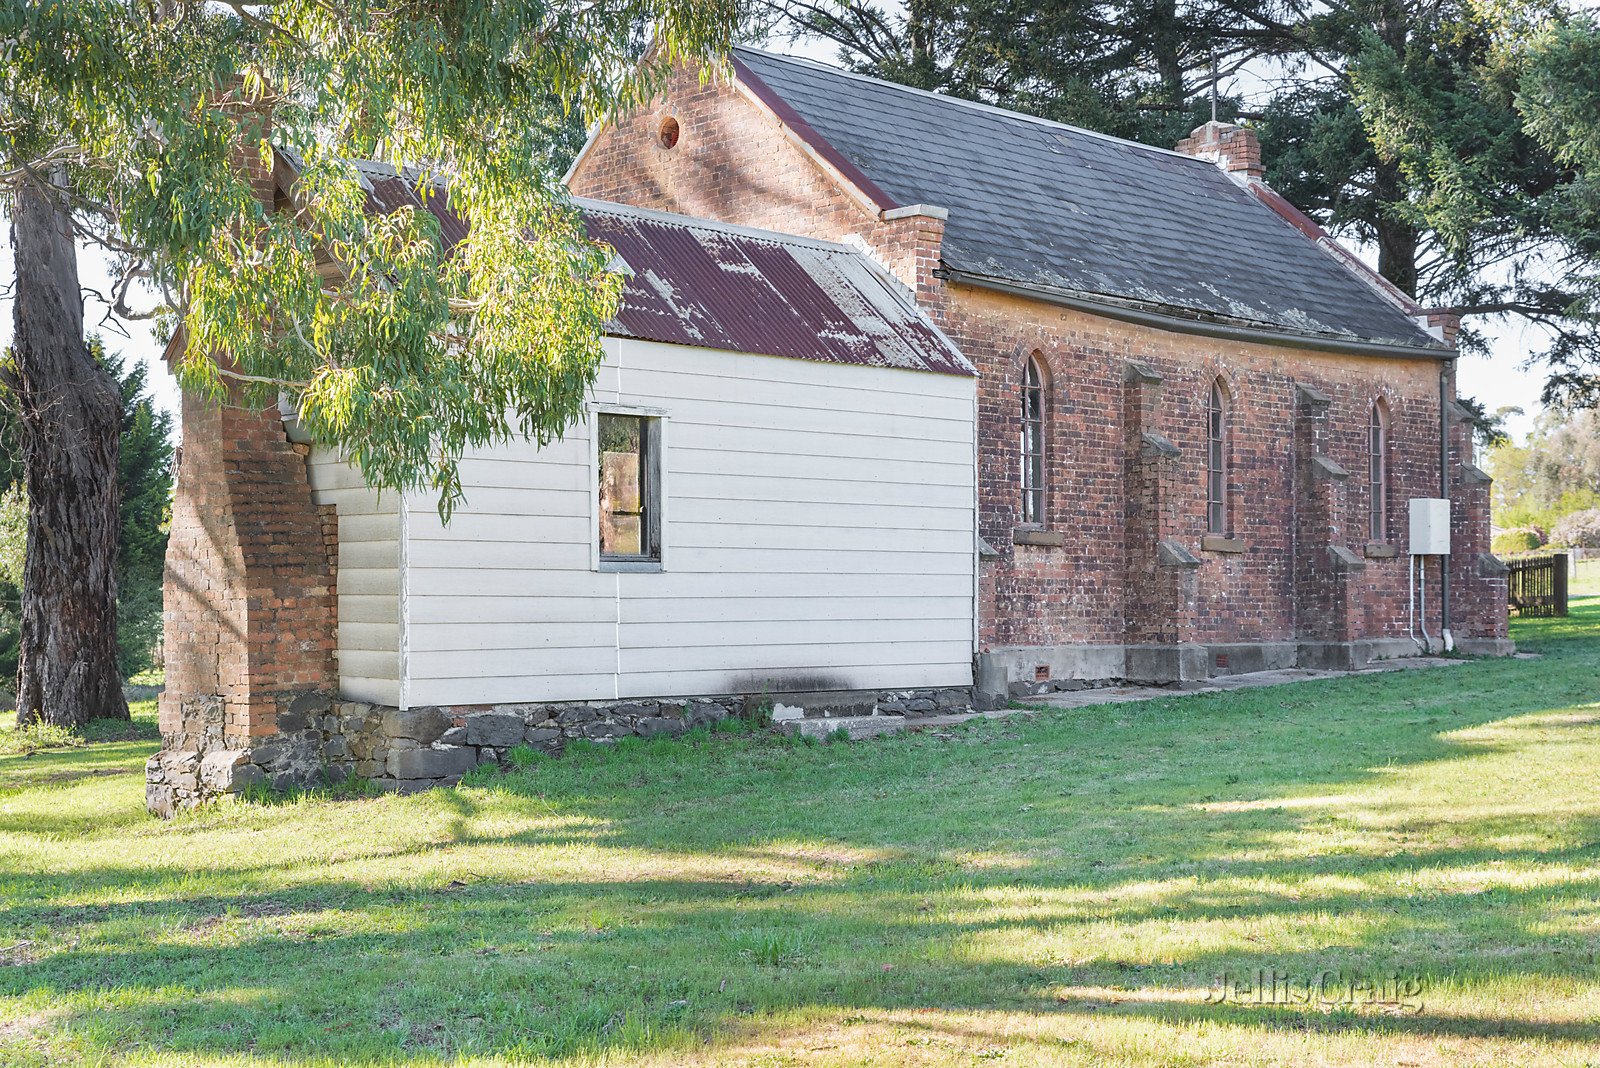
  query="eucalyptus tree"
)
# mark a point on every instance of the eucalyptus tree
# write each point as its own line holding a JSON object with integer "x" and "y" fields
{"x": 143, "y": 122}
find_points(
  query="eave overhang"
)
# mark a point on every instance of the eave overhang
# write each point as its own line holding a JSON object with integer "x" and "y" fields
{"x": 1184, "y": 322}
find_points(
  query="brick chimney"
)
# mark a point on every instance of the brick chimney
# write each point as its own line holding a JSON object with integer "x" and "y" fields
{"x": 909, "y": 242}
{"x": 1441, "y": 323}
{"x": 1235, "y": 149}
{"x": 250, "y": 608}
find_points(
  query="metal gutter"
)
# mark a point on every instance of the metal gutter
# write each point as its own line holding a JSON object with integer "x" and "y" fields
{"x": 1178, "y": 324}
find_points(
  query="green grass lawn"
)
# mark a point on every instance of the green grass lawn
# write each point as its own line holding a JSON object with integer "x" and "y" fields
{"x": 1062, "y": 888}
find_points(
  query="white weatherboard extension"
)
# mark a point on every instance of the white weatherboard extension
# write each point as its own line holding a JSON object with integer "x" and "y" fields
{"x": 817, "y": 533}
{"x": 1430, "y": 526}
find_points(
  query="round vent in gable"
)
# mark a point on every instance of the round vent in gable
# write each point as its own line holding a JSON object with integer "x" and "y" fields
{"x": 669, "y": 132}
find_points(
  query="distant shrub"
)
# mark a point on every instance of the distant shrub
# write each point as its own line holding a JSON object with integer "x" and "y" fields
{"x": 1517, "y": 540}
{"x": 32, "y": 737}
{"x": 1580, "y": 530}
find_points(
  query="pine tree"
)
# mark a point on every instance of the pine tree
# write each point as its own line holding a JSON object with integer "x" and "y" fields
{"x": 1458, "y": 140}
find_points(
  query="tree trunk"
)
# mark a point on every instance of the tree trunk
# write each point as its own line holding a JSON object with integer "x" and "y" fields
{"x": 1166, "y": 46}
{"x": 68, "y": 412}
{"x": 1398, "y": 240}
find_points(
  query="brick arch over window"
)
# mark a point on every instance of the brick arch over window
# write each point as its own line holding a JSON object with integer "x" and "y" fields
{"x": 1378, "y": 471}
{"x": 1219, "y": 414}
{"x": 1035, "y": 424}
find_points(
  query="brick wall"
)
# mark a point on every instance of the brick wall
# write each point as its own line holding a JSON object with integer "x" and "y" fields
{"x": 1075, "y": 592}
{"x": 1478, "y": 579}
{"x": 1306, "y": 568}
{"x": 249, "y": 594}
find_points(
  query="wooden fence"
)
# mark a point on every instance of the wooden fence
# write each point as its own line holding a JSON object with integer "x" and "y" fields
{"x": 1537, "y": 585}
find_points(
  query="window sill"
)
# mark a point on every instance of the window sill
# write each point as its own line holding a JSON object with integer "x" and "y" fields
{"x": 1379, "y": 551}
{"x": 1034, "y": 536}
{"x": 1216, "y": 543}
{"x": 630, "y": 566}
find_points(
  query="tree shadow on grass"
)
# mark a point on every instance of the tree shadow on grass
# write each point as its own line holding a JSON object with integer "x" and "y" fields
{"x": 54, "y": 768}
{"x": 563, "y": 962}
{"x": 1007, "y": 866}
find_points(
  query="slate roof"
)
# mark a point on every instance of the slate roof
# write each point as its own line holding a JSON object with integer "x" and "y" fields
{"x": 694, "y": 282}
{"x": 1054, "y": 208}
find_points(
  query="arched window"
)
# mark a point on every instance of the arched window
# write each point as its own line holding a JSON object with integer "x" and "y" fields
{"x": 1033, "y": 408}
{"x": 1217, "y": 459}
{"x": 1378, "y": 473}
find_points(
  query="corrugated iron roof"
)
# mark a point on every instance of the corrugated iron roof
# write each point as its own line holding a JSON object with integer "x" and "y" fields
{"x": 695, "y": 282}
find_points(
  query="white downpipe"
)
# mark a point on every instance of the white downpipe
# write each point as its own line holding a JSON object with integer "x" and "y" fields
{"x": 1447, "y": 641}
{"x": 1411, "y": 602}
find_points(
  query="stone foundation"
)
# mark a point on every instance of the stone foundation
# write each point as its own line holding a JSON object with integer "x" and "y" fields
{"x": 323, "y": 741}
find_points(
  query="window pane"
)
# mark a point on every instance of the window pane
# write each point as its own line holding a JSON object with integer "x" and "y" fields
{"x": 1377, "y": 477}
{"x": 1032, "y": 445}
{"x": 1216, "y": 462}
{"x": 623, "y": 522}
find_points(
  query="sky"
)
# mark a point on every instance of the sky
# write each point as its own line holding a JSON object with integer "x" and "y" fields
{"x": 1498, "y": 380}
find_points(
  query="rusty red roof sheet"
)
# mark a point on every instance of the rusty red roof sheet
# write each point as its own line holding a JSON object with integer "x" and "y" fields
{"x": 694, "y": 282}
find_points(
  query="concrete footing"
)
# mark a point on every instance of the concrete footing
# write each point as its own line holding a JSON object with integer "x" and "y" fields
{"x": 1486, "y": 647}
{"x": 1020, "y": 672}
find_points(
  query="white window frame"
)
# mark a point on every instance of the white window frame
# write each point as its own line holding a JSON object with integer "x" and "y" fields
{"x": 1378, "y": 473}
{"x": 1035, "y": 485}
{"x": 1219, "y": 439}
{"x": 660, "y": 423}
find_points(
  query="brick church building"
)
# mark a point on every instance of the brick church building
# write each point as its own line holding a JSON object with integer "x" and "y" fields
{"x": 1201, "y": 421}
{"x": 910, "y": 403}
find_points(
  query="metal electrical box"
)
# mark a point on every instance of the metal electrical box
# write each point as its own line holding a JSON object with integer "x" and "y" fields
{"x": 1430, "y": 526}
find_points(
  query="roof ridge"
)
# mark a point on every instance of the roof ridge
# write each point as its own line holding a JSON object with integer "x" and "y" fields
{"x": 975, "y": 105}
{"x": 695, "y": 222}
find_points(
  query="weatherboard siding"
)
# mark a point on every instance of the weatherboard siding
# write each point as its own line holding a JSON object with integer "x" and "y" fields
{"x": 368, "y": 579}
{"x": 818, "y": 529}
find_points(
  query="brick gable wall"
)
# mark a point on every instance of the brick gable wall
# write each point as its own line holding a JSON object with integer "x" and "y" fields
{"x": 1096, "y": 573}
{"x": 734, "y": 163}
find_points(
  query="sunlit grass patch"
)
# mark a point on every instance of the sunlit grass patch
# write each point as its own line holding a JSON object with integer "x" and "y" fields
{"x": 1050, "y": 889}
{"x": 33, "y": 736}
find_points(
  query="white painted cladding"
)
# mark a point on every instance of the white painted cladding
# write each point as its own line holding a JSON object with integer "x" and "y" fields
{"x": 818, "y": 529}
{"x": 370, "y": 573}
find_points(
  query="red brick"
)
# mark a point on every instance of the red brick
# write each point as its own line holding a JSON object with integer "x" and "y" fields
{"x": 734, "y": 163}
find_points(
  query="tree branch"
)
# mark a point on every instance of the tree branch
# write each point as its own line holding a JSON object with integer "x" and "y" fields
{"x": 281, "y": 383}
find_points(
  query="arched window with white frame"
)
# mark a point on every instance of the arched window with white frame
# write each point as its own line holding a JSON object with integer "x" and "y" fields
{"x": 1034, "y": 385}
{"x": 1217, "y": 459}
{"x": 1378, "y": 473}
